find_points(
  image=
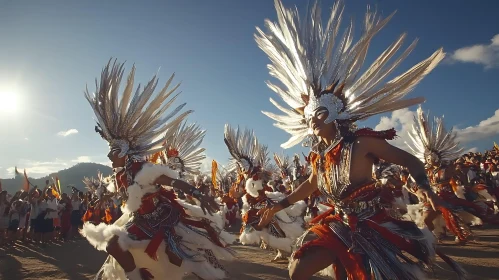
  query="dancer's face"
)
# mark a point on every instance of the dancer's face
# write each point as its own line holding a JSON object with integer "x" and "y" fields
{"x": 321, "y": 129}
{"x": 432, "y": 159}
{"x": 113, "y": 155}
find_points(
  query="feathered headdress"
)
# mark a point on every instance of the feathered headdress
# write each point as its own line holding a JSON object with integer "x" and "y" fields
{"x": 248, "y": 155}
{"x": 97, "y": 185}
{"x": 182, "y": 148}
{"x": 284, "y": 165}
{"x": 318, "y": 68}
{"x": 432, "y": 139}
{"x": 133, "y": 124}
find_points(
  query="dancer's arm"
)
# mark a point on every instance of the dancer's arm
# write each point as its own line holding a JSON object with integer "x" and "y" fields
{"x": 379, "y": 148}
{"x": 178, "y": 184}
{"x": 303, "y": 191}
{"x": 207, "y": 202}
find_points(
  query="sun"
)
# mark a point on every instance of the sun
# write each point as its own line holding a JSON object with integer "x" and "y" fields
{"x": 9, "y": 101}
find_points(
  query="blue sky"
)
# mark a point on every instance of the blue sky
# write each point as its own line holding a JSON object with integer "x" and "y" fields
{"x": 51, "y": 49}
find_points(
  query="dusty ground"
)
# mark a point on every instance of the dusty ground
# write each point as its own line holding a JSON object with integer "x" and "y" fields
{"x": 78, "y": 260}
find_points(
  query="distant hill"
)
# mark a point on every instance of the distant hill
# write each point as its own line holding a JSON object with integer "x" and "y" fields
{"x": 70, "y": 176}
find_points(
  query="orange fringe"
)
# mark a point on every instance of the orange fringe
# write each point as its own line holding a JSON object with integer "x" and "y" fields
{"x": 351, "y": 262}
{"x": 453, "y": 224}
{"x": 108, "y": 217}
{"x": 88, "y": 215}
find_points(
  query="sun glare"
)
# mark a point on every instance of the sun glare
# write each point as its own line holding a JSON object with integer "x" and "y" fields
{"x": 8, "y": 101}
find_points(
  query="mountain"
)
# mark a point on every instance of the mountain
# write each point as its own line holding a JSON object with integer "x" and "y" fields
{"x": 71, "y": 176}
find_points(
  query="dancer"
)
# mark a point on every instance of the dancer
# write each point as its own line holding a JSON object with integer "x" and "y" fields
{"x": 283, "y": 174}
{"x": 183, "y": 155}
{"x": 97, "y": 211}
{"x": 390, "y": 177}
{"x": 154, "y": 238}
{"x": 326, "y": 95}
{"x": 222, "y": 181}
{"x": 437, "y": 148}
{"x": 251, "y": 159}
{"x": 299, "y": 172}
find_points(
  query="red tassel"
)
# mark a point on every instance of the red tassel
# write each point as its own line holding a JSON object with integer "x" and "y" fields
{"x": 153, "y": 245}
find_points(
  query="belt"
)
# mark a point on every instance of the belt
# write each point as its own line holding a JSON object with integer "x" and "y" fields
{"x": 358, "y": 207}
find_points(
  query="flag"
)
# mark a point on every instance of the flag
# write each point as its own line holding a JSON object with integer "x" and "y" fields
{"x": 55, "y": 188}
{"x": 55, "y": 193}
{"x": 214, "y": 169}
{"x": 26, "y": 181}
{"x": 58, "y": 184}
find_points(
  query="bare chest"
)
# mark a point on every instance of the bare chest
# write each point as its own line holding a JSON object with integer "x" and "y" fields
{"x": 350, "y": 171}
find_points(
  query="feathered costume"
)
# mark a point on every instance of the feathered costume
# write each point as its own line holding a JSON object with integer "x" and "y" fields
{"x": 437, "y": 148}
{"x": 389, "y": 176}
{"x": 99, "y": 210}
{"x": 251, "y": 158}
{"x": 284, "y": 173}
{"x": 222, "y": 180}
{"x": 320, "y": 71}
{"x": 165, "y": 241}
{"x": 184, "y": 155}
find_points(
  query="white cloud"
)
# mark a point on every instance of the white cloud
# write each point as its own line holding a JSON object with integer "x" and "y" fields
{"x": 106, "y": 163}
{"x": 206, "y": 165}
{"x": 483, "y": 54}
{"x": 98, "y": 160}
{"x": 26, "y": 138}
{"x": 37, "y": 169}
{"x": 485, "y": 129}
{"x": 403, "y": 119}
{"x": 82, "y": 159}
{"x": 472, "y": 150}
{"x": 67, "y": 132}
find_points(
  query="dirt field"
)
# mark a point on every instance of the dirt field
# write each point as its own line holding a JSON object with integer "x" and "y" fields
{"x": 78, "y": 260}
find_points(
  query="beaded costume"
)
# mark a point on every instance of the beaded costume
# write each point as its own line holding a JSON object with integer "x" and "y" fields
{"x": 250, "y": 158}
{"x": 164, "y": 238}
{"x": 321, "y": 71}
{"x": 437, "y": 148}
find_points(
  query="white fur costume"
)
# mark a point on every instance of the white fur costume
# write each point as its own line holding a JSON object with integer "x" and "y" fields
{"x": 289, "y": 220}
{"x": 192, "y": 242}
{"x": 133, "y": 124}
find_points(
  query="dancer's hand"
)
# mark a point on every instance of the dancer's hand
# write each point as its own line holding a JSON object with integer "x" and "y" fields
{"x": 266, "y": 214}
{"x": 208, "y": 204}
{"x": 431, "y": 197}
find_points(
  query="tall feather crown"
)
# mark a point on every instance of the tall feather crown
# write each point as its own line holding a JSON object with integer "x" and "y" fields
{"x": 432, "y": 139}
{"x": 284, "y": 167}
{"x": 134, "y": 123}
{"x": 319, "y": 68}
{"x": 248, "y": 155}
{"x": 96, "y": 185}
{"x": 182, "y": 148}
